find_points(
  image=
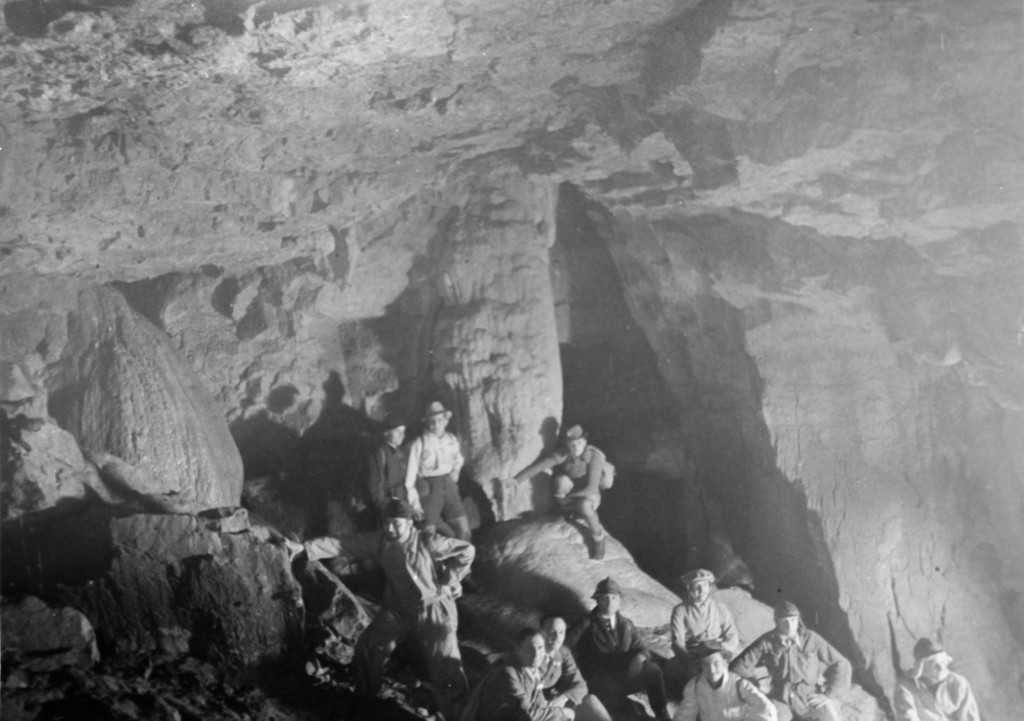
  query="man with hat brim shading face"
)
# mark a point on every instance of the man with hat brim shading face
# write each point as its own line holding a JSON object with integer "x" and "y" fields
{"x": 432, "y": 478}
{"x": 699, "y": 622}
{"x": 423, "y": 573}
{"x": 718, "y": 694}
{"x": 931, "y": 692}
{"x": 795, "y": 658}
{"x": 613, "y": 658}
{"x": 577, "y": 468}
{"x": 388, "y": 465}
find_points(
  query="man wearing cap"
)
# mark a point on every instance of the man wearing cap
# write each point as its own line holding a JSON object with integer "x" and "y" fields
{"x": 931, "y": 692}
{"x": 795, "y": 658}
{"x": 512, "y": 690}
{"x": 577, "y": 469}
{"x": 612, "y": 656}
{"x": 423, "y": 571}
{"x": 699, "y": 622}
{"x": 388, "y": 465}
{"x": 561, "y": 678}
{"x": 432, "y": 477}
{"x": 718, "y": 694}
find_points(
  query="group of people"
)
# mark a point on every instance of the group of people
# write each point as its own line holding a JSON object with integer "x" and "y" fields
{"x": 577, "y": 672}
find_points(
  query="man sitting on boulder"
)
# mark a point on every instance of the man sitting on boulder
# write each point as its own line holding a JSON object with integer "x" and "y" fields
{"x": 577, "y": 470}
{"x": 718, "y": 694}
{"x": 795, "y": 658}
{"x": 698, "y": 623}
{"x": 432, "y": 478}
{"x": 563, "y": 683}
{"x": 612, "y": 656}
{"x": 931, "y": 692}
{"x": 423, "y": 571}
{"x": 512, "y": 690}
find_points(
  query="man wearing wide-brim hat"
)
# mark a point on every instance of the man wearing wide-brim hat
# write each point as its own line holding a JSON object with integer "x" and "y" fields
{"x": 612, "y": 656}
{"x": 806, "y": 675}
{"x": 931, "y": 692}
{"x": 578, "y": 469}
{"x": 432, "y": 477}
{"x": 699, "y": 622}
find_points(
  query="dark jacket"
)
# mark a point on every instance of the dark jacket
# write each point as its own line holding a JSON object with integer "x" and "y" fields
{"x": 387, "y": 473}
{"x": 599, "y": 649}
{"x": 510, "y": 693}
{"x": 794, "y": 668}
{"x": 560, "y": 675}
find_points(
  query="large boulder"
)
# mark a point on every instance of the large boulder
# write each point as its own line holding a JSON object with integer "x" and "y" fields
{"x": 178, "y": 583}
{"x": 543, "y": 566}
{"x": 122, "y": 390}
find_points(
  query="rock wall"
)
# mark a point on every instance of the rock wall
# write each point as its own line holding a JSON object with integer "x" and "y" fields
{"x": 858, "y": 423}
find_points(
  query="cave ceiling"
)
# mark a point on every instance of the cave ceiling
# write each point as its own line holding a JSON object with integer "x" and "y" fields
{"x": 148, "y": 137}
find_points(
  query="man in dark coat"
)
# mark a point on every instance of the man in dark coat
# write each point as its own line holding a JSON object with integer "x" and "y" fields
{"x": 613, "y": 658}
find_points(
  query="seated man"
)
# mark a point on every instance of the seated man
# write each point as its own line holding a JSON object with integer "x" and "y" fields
{"x": 577, "y": 469}
{"x": 795, "y": 658}
{"x": 698, "y": 623}
{"x": 432, "y": 476}
{"x": 561, "y": 678}
{"x": 611, "y": 655}
{"x": 931, "y": 692}
{"x": 512, "y": 690}
{"x": 717, "y": 694}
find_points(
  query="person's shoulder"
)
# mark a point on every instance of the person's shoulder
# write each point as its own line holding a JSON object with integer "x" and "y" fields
{"x": 627, "y": 622}
{"x": 595, "y": 452}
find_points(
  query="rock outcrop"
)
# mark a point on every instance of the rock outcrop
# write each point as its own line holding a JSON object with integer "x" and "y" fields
{"x": 178, "y": 584}
{"x": 40, "y": 638}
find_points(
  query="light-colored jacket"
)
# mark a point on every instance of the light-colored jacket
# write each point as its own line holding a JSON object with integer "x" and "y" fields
{"x": 952, "y": 700}
{"x": 432, "y": 455}
{"x": 694, "y": 625}
{"x": 735, "y": 699}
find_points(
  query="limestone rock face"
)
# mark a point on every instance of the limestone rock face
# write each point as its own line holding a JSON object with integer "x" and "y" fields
{"x": 122, "y": 390}
{"x": 543, "y": 567}
{"x": 176, "y": 583}
{"x": 40, "y": 638}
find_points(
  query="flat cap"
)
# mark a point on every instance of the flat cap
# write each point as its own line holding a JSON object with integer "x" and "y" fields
{"x": 607, "y": 586}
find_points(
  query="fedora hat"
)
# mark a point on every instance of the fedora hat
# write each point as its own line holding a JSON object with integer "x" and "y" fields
{"x": 436, "y": 409}
{"x": 606, "y": 587}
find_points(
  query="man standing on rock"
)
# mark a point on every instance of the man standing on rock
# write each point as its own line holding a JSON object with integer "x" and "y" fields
{"x": 432, "y": 478}
{"x": 577, "y": 469}
{"x": 613, "y": 658}
{"x": 718, "y": 694}
{"x": 423, "y": 572}
{"x": 931, "y": 692}
{"x": 698, "y": 623}
{"x": 561, "y": 678}
{"x": 795, "y": 658}
{"x": 388, "y": 466}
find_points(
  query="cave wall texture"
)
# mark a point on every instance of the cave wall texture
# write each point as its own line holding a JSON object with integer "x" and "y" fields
{"x": 769, "y": 252}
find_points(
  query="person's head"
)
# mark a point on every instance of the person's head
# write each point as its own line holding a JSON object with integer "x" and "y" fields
{"x": 608, "y": 596}
{"x": 575, "y": 440}
{"x": 530, "y": 649}
{"x": 394, "y": 431}
{"x": 435, "y": 420}
{"x": 698, "y": 585}
{"x": 932, "y": 660}
{"x": 397, "y": 519}
{"x": 713, "y": 664}
{"x": 787, "y": 619}
{"x": 554, "y": 632}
